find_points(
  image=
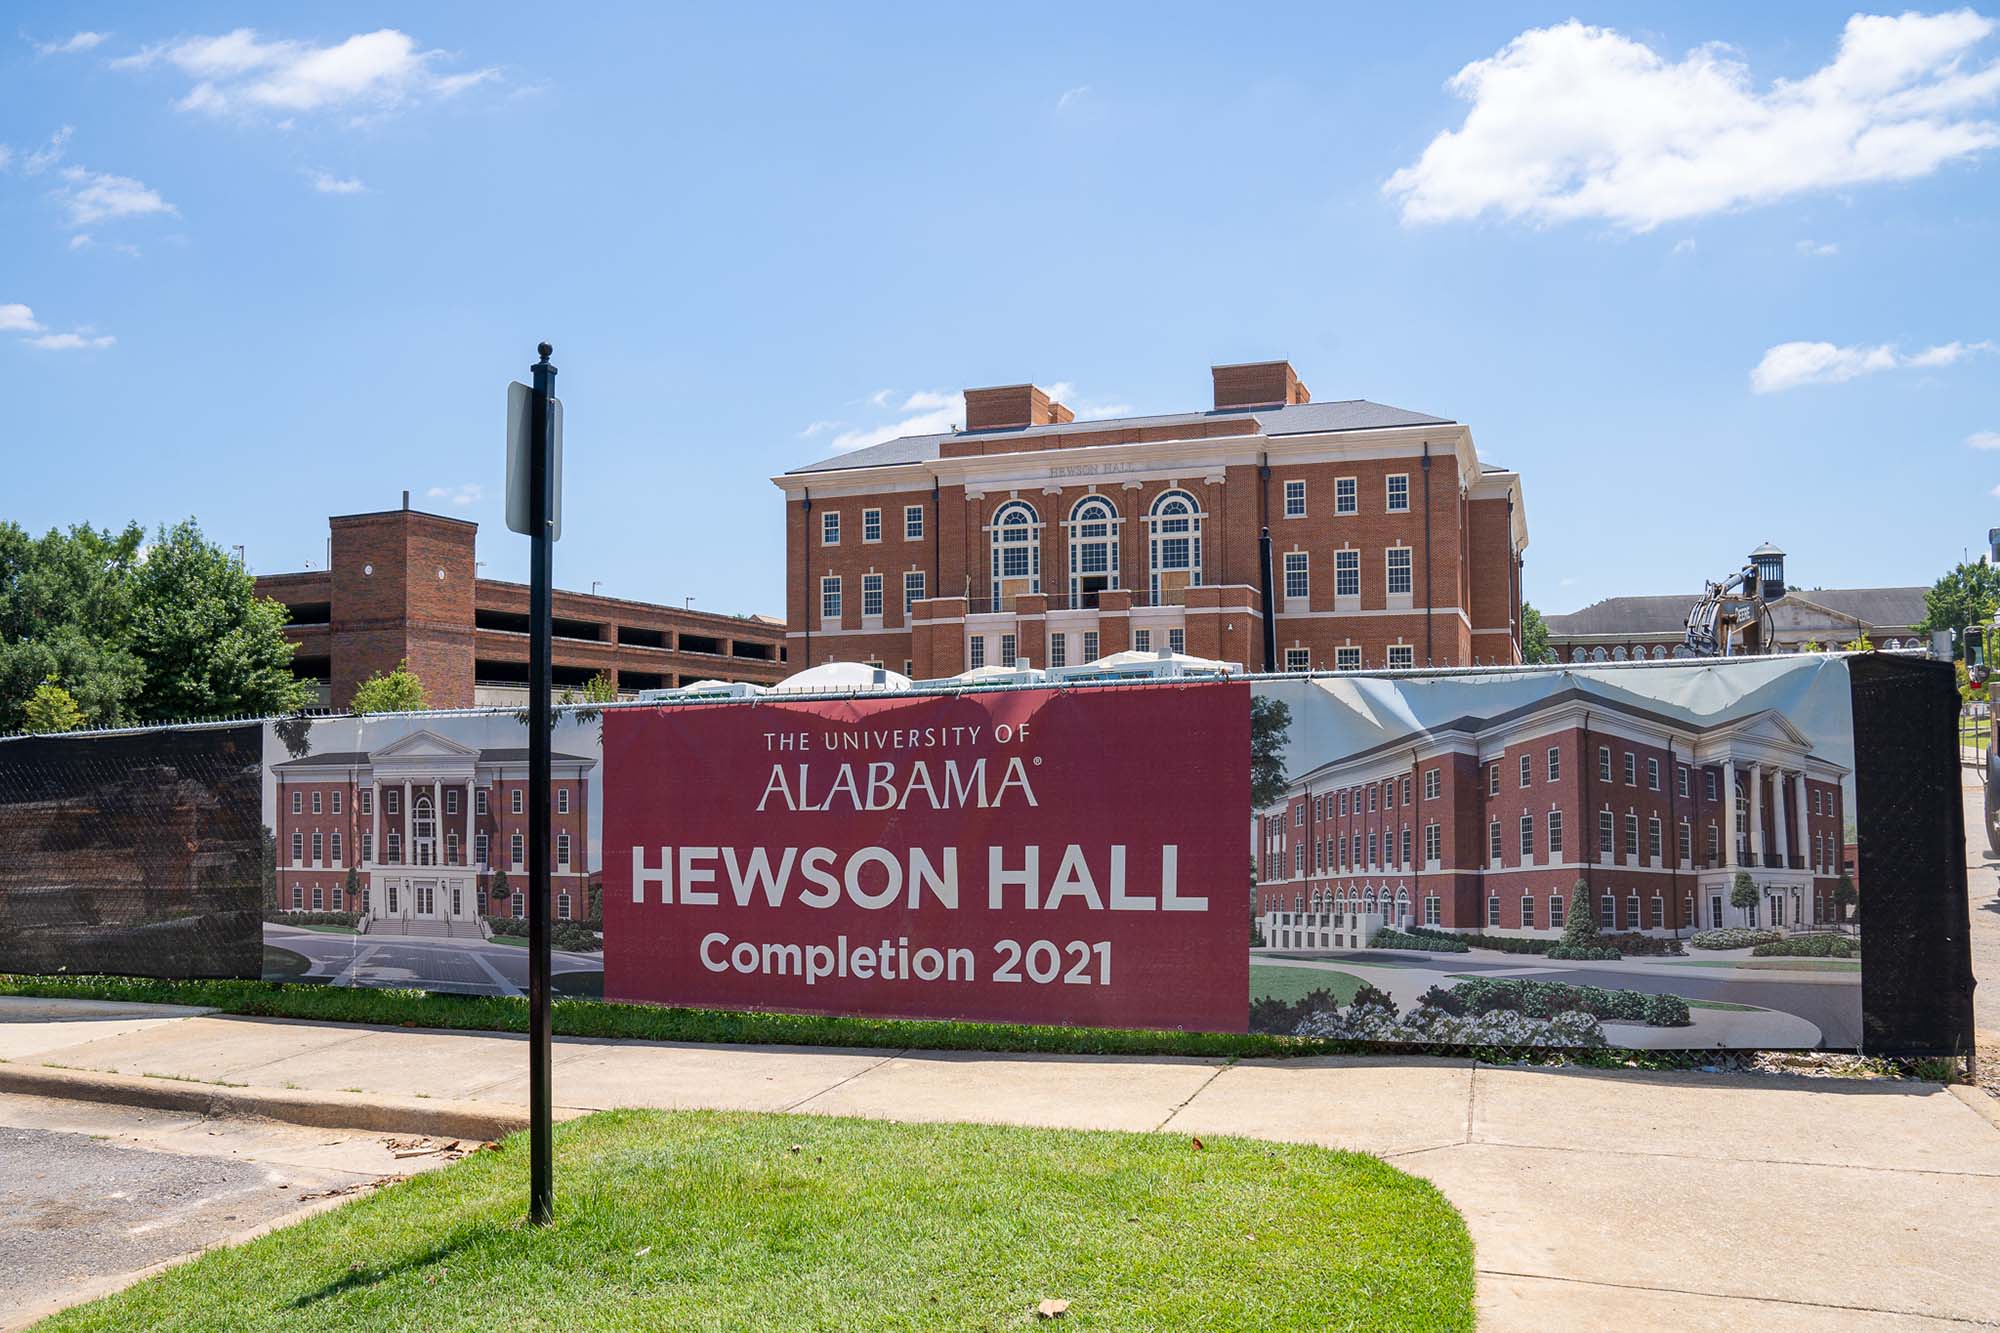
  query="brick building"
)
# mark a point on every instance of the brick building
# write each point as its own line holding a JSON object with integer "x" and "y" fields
{"x": 1620, "y": 629}
{"x": 1487, "y": 824}
{"x": 403, "y": 586}
{"x": 1028, "y": 534}
{"x": 427, "y": 825}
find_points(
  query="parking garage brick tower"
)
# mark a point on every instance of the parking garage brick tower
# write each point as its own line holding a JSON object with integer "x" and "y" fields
{"x": 403, "y": 592}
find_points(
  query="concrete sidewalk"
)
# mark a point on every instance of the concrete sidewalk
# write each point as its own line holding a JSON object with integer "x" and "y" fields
{"x": 1596, "y": 1200}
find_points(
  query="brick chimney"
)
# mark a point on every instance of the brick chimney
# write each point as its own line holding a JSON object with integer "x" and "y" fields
{"x": 1011, "y": 407}
{"x": 1258, "y": 384}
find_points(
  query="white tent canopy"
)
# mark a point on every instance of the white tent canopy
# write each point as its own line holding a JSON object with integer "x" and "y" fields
{"x": 835, "y": 676}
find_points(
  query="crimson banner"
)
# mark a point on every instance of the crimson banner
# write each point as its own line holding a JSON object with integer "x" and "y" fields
{"x": 1040, "y": 856}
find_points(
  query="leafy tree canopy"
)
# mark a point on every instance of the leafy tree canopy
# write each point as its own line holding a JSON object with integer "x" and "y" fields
{"x": 50, "y": 708}
{"x": 397, "y": 691}
{"x": 1270, "y": 723}
{"x": 1535, "y": 648}
{"x": 1968, "y": 595}
{"x": 65, "y": 617}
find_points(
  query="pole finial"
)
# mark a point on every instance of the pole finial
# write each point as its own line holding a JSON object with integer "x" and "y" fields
{"x": 545, "y": 350}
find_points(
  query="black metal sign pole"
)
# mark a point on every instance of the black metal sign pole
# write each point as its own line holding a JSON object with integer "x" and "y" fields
{"x": 541, "y": 1189}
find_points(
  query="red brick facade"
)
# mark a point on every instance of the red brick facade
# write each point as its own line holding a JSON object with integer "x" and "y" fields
{"x": 1404, "y": 549}
{"x": 403, "y": 588}
{"x": 1487, "y": 825}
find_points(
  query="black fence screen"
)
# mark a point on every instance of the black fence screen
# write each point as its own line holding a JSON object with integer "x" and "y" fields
{"x": 143, "y": 854}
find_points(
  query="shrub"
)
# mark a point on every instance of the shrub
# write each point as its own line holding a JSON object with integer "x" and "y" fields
{"x": 1549, "y": 999}
{"x": 348, "y": 919}
{"x": 1285, "y": 1016}
{"x": 1733, "y": 937}
{"x": 1631, "y": 942}
{"x": 1571, "y": 1028}
{"x": 1437, "y": 997}
{"x": 1370, "y": 997}
{"x": 1582, "y": 953}
{"x": 1390, "y": 938}
{"x": 1476, "y": 940}
{"x": 1808, "y": 946}
{"x": 1667, "y": 1011}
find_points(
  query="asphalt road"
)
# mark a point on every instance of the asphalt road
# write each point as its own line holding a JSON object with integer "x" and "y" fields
{"x": 472, "y": 967}
{"x": 95, "y": 1195}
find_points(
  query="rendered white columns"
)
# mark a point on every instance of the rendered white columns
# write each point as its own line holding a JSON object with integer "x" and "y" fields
{"x": 437, "y": 821}
{"x": 1756, "y": 814}
{"x": 409, "y": 825}
{"x": 467, "y": 844}
{"x": 375, "y": 838}
{"x": 1799, "y": 804}
{"x": 1732, "y": 856}
{"x": 1781, "y": 816}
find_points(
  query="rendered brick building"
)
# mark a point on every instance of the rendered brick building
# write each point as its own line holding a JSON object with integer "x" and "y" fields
{"x": 403, "y": 587}
{"x": 1028, "y": 534}
{"x": 1487, "y": 824}
{"x": 427, "y": 825}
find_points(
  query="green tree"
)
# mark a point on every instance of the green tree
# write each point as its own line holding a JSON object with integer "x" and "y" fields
{"x": 1811, "y": 646}
{"x": 1860, "y": 643}
{"x": 65, "y": 615}
{"x": 1968, "y": 595}
{"x": 1743, "y": 896}
{"x": 1270, "y": 725}
{"x": 1844, "y": 895}
{"x": 353, "y": 895}
{"x": 500, "y": 888}
{"x": 396, "y": 691}
{"x": 1535, "y": 650}
{"x": 51, "y": 708}
{"x": 1580, "y": 929}
{"x": 209, "y": 646}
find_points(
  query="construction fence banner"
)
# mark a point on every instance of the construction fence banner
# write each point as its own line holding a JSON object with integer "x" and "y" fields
{"x": 1677, "y": 855}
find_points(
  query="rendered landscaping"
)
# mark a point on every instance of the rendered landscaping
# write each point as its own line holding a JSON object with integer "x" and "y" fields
{"x": 716, "y": 1220}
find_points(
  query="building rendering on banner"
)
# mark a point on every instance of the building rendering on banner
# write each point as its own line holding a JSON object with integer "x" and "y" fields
{"x": 1620, "y": 629}
{"x": 433, "y": 831}
{"x": 1488, "y": 823}
{"x": 1028, "y": 535}
{"x": 403, "y": 586}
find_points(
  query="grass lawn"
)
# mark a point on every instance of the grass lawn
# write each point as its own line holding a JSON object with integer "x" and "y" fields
{"x": 673, "y": 1220}
{"x": 1724, "y": 1004}
{"x": 283, "y": 963}
{"x": 332, "y": 930}
{"x": 1275, "y": 981}
{"x": 1777, "y": 964}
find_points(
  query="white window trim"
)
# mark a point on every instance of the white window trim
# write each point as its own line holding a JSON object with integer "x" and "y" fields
{"x": 1285, "y": 494}
{"x": 1354, "y": 495}
{"x": 910, "y": 511}
{"x": 1304, "y": 596}
{"x": 877, "y": 538}
{"x": 829, "y": 527}
{"x": 1389, "y": 508}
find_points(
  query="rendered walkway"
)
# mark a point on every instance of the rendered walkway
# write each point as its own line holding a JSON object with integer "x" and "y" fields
{"x": 1596, "y": 1200}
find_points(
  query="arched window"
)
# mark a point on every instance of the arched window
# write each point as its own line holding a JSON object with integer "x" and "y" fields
{"x": 1659, "y": 652}
{"x": 1093, "y": 549}
{"x": 1017, "y": 553}
{"x": 1577, "y": 654}
{"x": 1402, "y": 907}
{"x": 1176, "y": 547}
{"x": 1618, "y": 653}
{"x": 1598, "y": 654}
{"x": 423, "y": 832}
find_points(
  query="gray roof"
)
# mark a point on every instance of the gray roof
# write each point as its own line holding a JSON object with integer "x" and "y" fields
{"x": 1886, "y": 608}
{"x": 362, "y": 758}
{"x": 1296, "y": 419}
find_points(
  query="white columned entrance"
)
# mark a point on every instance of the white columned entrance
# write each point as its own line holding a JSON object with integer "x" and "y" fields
{"x": 1757, "y": 815}
{"x": 1781, "y": 816}
{"x": 1733, "y": 855}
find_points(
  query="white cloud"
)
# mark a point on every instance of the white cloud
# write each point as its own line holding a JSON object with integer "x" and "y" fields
{"x": 71, "y": 45}
{"x": 240, "y": 72}
{"x": 1790, "y": 365}
{"x": 468, "y": 493}
{"x": 1072, "y": 96}
{"x": 18, "y": 318}
{"x": 1983, "y": 439}
{"x": 1818, "y": 249}
{"x": 6, "y": 156}
{"x": 97, "y": 196}
{"x": 938, "y": 411}
{"x": 819, "y": 427}
{"x": 48, "y": 154}
{"x": 1062, "y": 391}
{"x": 81, "y": 241}
{"x": 328, "y": 183}
{"x": 881, "y": 397}
{"x": 1684, "y": 246}
{"x": 70, "y": 342}
{"x": 1578, "y": 122}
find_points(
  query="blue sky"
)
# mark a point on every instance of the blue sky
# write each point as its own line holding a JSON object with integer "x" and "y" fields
{"x": 1705, "y": 277}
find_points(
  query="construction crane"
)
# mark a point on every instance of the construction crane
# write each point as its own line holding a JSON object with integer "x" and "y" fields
{"x": 1718, "y": 624}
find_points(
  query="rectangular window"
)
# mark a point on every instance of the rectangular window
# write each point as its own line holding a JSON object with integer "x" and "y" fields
{"x": 871, "y": 525}
{"x": 1631, "y": 769}
{"x": 1298, "y": 858}
{"x": 316, "y": 802}
{"x": 1686, "y": 842}
{"x": 1604, "y": 763}
{"x": 1142, "y": 641}
{"x": 1527, "y": 836}
{"x": 1555, "y": 764}
{"x": 517, "y": 850}
{"x": 1058, "y": 650}
{"x": 1659, "y": 912}
{"x": 1176, "y": 640}
{"x": 514, "y": 800}
{"x": 299, "y": 803}
{"x": 1346, "y": 495}
{"x": 1607, "y": 833}
{"x": 1632, "y": 836}
{"x": 913, "y": 522}
{"x": 451, "y": 849}
{"x": 334, "y": 845}
{"x": 336, "y": 800}
{"x": 1527, "y": 912}
{"x": 1371, "y": 801}
{"x": 1298, "y": 659}
{"x": 1343, "y": 801}
{"x": 298, "y": 847}
{"x": 1493, "y": 913}
{"x": 1399, "y": 493}
{"x": 319, "y": 847}
{"x": 562, "y": 800}
{"x": 1493, "y": 779}
{"x": 395, "y": 841}
{"x": 1708, "y": 778}
{"x": 1714, "y": 844}
{"x": 829, "y": 597}
{"x": 1399, "y": 570}
{"x": 1402, "y": 655}
{"x": 871, "y": 594}
{"x": 319, "y": 898}
{"x": 913, "y": 591}
{"x": 479, "y": 800}
{"x": 1555, "y": 911}
{"x": 368, "y": 848}
{"x": 392, "y": 802}
{"x": 1374, "y": 847}
{"x": 562, "y": 851}
{"x": 1493, "y": 842}
{"x": 1008, "y": 644}
{"x": 1816, "y": 809}
{"x": 1299, "y": 815}
{"x": 1527, "y": 770}
{"x": 1297, "y": 584}
{"x": 479, "y": 848}
{"x": 1608, "y": 912}
{"x": 1433, "y": 842}
{"x": 1406, "y": 846}
{"x": 1090, "y": 645}
{"x": 1555, "y": 834}
{"x": 367, "y": 800}
{"x": 1632, "y": 912}
{"x": 1653, "y": 837}
{"x": 1681, "y": 780}
{"x": 1347, "y": 659}
{"x": 976, "y": 651}
{"x": 1653, "y": 774}
{"x": 1347, "y": 573}
{"x": 829, "y": 528}
{"x": 1432, "y": 914}
{"x": 1295, "y": 499}
{"x": 1433, "y": 784}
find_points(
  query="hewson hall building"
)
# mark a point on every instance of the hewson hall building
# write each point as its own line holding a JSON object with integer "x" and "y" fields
{"x": 1028, "y": 535}
{"x": 1487, "y": 824}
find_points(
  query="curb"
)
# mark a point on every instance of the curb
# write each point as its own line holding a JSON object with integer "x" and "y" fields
{"x": 1980, "y": 1100}
{"x": 320, "y": 1110}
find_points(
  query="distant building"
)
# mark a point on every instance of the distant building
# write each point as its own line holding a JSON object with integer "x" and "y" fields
{"x": 403, "y": 588}
{"x": 1620, "y": 629}
{"x": 1028, "y": 535}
